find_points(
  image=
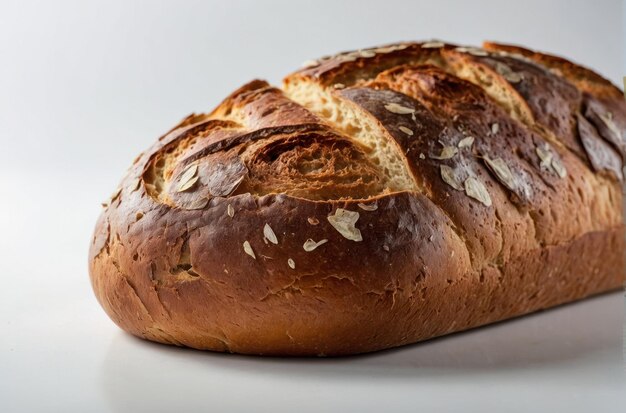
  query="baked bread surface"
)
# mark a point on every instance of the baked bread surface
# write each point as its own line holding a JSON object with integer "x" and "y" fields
{"x": 381, "y": 197}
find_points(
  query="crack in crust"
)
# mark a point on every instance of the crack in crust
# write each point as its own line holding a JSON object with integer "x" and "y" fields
{"x": 513, "y": 109}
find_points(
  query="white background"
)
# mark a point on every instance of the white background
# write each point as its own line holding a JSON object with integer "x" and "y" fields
{"x": 85, "y": 86}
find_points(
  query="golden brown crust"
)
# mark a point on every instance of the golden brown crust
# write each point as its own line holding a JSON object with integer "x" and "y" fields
{"x": 264, "y": 228}
{"x": 583, "y": 78}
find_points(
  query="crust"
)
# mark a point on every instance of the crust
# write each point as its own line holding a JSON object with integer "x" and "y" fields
{"x": 182, "y": 253}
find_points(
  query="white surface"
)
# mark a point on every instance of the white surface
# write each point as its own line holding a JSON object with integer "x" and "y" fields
{"x": 84, "y": 86}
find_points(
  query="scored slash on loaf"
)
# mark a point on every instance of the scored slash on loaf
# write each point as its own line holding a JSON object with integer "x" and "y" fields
{"x": 379, "y": 198}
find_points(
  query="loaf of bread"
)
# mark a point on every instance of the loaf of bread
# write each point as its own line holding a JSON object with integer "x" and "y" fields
{"x": 381, "y": 197}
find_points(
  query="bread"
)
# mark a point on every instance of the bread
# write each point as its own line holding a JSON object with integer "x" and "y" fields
{"x": 380, "y": 198}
